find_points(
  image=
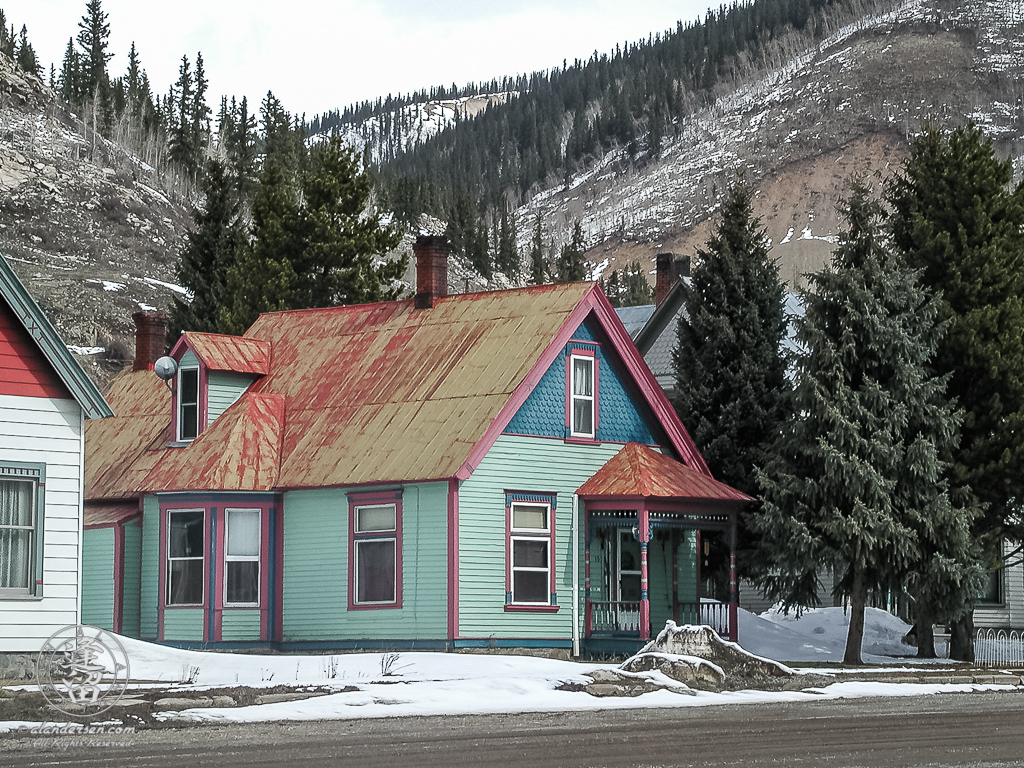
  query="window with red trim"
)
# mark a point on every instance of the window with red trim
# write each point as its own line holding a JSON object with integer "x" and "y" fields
{"x": 530, "y": 550}
{"x": 375, "y": 556}
{"x": 581, "y": 394}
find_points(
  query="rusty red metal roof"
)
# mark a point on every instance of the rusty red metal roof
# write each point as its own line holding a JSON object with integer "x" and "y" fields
{"x": 103, "y": 515}
{"x": 362, "y": 394}
{"x": 638, "y": 471}
{"x": 240, "y": 451}
{"x": 230, "y": 353}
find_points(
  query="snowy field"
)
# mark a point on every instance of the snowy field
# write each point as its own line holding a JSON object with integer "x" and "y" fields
{"x": 415, "y": 683}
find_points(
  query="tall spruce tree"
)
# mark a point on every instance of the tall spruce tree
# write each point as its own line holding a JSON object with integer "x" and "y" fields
{"x": 538, "y": 267}
{"x": 636, "y": 291}
{"x": 730, "y": 369}
{"x": 93, "y": 39}
{"x": 342, "y": 238}
{"x": 960, "y": 221}
{"x": 212, "y": 246}
{"x": 507, "y": 258}
{"x": 570, "y": 265}
{"x": 263, "y": 277}
{"x": 855, "y": 481}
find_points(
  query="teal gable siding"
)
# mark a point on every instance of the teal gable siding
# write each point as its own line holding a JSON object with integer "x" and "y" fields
{"x": 188, "y": 360}
{"x": 223, "y": 389}
{"x": 132, "y": 575}
{"x": 622, "y": 415}
{"x": 98, "y": 578}
{"x": 524, "y": 464}
{"x": 316, "y": 556}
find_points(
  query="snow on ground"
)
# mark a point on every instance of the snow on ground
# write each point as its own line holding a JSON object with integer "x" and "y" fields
{"x": 400, "y": 684}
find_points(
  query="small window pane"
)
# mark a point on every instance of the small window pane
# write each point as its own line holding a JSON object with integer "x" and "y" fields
{"x": 530, "y": 554}
{"x": 376, "y": 518}
{"x": 583, "y": 417}
{"x": 186, "y": 534}
{"x": 15, "y": 558}
{"x": 243, "y": 581}
{"x": 529, "y": 517}
{"x": 190, "y": 386}
{"x": 375, "y": 571}
{"x": 186, "y": 582}
{"x": 16, "y": 502}
{"x": 583, "y": 377}
{"x": 243, "y": 532}
{"x": 530, "y": 587}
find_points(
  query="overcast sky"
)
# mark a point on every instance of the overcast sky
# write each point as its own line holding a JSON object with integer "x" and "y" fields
{"x": 317, "y": 55}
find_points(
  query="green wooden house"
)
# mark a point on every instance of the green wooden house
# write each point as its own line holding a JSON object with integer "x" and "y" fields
{"x": 480, "y": 470}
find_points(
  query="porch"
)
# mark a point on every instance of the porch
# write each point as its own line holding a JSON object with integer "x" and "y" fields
{"x": 655, "y": 530}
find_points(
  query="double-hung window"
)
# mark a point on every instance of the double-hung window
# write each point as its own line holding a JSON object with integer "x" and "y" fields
{"x": 242, "y": 557}
{"x": 530, "y": 553}
{"x": 186, "y": 531}
{"x": 375, "y": 555}
{"x": 582, "y": 396}
{"x": 20, "y": 530}
{"x": 188, "y": 403}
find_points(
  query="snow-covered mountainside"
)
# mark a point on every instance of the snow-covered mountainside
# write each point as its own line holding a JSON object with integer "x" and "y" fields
{"x": 82, "y": 223}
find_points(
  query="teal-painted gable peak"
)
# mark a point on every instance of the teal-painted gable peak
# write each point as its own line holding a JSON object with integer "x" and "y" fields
{"x": 623, "y": 415}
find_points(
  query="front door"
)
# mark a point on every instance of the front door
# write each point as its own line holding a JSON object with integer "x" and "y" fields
{"x": 627, "y": 581}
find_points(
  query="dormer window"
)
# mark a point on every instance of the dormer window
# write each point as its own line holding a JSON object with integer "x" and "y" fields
{"x": 188, "y": 403}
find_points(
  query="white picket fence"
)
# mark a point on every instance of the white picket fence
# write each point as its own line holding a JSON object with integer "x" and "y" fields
{"x": 999, "y": 648}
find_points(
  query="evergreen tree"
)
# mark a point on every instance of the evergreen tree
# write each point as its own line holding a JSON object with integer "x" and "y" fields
{"x": 636, "y": 291}
{"x": 731, "y": 386}
{"x": 507, "y": 259}
{"x": 263, "y": 278}
{"x": 855, "y": 481}
{"x": 613, "y": 289}
{"x": 26, "y": 55}
{"x": 959, "y": 220}
{"x": 571, "y": 266}
{"x": 212, "y": 247}
{"x": 538, "y": 267}
{"x": 70, "y": 80}
{"x": 200, "y": 114}
{"x": 181, "y": 148}
{"x": 342, "y": 238}
{"x": 93, "y": 39}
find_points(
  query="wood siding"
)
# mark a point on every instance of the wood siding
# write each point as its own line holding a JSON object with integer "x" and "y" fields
{"x": 1010, "y": 613}
{"x": 183, "y": 624}
{"x": 98, "y": 578}
{"x": 527, "y": 464}
{"x": 316, "y": 552}
{"x": 24, "y": 371}
{"x": 238, "y": 624}
{"x": 39, "y": 430}
{"x": 150, "y": 577}
{"x": 223, "y": 389}
{"x": 130, "y": 606}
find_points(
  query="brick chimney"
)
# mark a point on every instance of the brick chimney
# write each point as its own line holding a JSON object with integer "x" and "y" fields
{"x": 431, "y": 269}
{"x": 150, "y": 339}
{"x": 670, "y": 270}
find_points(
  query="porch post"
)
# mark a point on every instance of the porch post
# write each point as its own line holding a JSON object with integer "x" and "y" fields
{"x": 733, "y": 595}
{"x": 645, "y": 603}
{"x": 588, "y": 610}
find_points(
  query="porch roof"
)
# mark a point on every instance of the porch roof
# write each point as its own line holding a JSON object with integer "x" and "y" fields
{"x": 638, "y": 471}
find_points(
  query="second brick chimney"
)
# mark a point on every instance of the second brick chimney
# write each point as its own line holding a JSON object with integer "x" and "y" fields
{"x": 150, "y": 339}
{"x": 670, "y": 270}
{"x": 431, "y": 269}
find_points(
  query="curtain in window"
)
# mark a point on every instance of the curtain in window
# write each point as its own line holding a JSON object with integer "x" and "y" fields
{"x": 16, "y": 530}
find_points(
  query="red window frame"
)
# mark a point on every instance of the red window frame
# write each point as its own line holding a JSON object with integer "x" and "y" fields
{"x": 576, "y": 351}
{"x": 355, "y": 502}
{"x": 512, "y": 535}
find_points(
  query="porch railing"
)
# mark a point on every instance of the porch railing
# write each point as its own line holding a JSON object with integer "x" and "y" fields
{"x": 607, "y": 616}
{"x": 714, "y": 615}
{"x": 999, "y": 648}
{"x": 614, "y": 617}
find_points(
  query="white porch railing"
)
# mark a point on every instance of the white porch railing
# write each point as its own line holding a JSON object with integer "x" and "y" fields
{"x": 615, "y": 617}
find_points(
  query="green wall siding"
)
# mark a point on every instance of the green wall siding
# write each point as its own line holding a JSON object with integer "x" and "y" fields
{"x": 98, "y": 578}
{"x": 188, "y": 360}
{"x": 525, "y": 464}
{"x": 132, "y": 576}
{"x": 315, "y": 599}
{"x": 223, "y": 389}
{"x": 240, "y": 624}
{"x": 150, "y": 579}
{"x": 183, "y": 624}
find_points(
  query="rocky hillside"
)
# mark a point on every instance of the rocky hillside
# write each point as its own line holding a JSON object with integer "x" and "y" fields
{"x": 84, "y": 225}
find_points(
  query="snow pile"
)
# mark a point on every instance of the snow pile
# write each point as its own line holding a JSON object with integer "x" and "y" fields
{"x": 819, "y": 634}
